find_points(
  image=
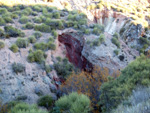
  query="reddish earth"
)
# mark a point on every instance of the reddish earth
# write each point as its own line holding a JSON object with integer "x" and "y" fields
{"x": 74, "y": 51}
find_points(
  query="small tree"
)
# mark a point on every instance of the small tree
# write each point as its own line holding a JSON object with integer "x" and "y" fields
{"x": 87, "y": 83}
{"x": 74, "y": 103}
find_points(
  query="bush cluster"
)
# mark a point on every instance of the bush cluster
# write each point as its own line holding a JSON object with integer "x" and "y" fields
{"x": 13, "y": 32}
{"x": 37, "y": 34}
{"x": 18, "y": 67}
{"x": 37, "y": 56}
{"x": 23, "y": 20}
{"x": 32, "y": 39}
{"x": 2, "y": 21}
{"x": 116, "y": 42}
{"x": 26, "y": 108}
{"x": 63, "y": 68}
{"x": 45, "y": 101}
{"x": 8, "y": 19}
{"x": 28, "y": 26}
{"x": 22, "y": 43}
{"x": 37, "y": 20}
{"x": 43, "y": 28}
{"x": 2, "y": 34}
{"x": 74, "y": 103}
{"x": 2, "y": 45}
{"x": 14, "y": 48}
{"x": 137, "y": 72}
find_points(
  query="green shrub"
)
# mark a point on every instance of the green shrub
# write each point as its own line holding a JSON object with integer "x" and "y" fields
{"x": 59, "y": 59}
{"x": 102, "y": 38}
{"x": 3, "y": 11}
{"x": 38, "y": 20}
{"x": 41, "y": 46}
{"x": 32, "y": 39}
{"x": 82, "y": 22}
{"x": 18, "y": 67}
{"x": 51, "y": 39}
{"x": 28, "y": 26}
{"x": 14, "y": 48}
{"x": 8, "y": 20}
{"x": 70, "y": 23}
{"x": 63, "y": 68}
{"x": 44, "y": 10}
{"x": 116, "y": 42}
{"x": 116, "y": 51}
{"x": 23, "y": 20}
{"x": 74, "y": 103}
{"x": 22, "y": 43}
{"x": 48, "y": 68}
{"x": 60, "y": 25}
{"x": 56, "y": 15}
{"x": 48, "y": 15}
{"x": 45, "y": 101}
{"x": 26, "y": 108}
{"x": 34, "y": 13}
{"x": 2, "y": 22}
{"x": 36, "y": 56}
{"x": 96, "y": 43}
{"x": 51, "y": 45}
{"x": 2, "y": 33}
{"x": 96, "y": 31}
{"x": 13, "y": 32}
{"x": 54, "y": 33}
{"x": 55, "y": 24}
{"x": 37, "y": 34}
{"x": 116, "y": 91}
{"x": 43, "y": 28}
{"x": 87, "y": 31}
{"x": 14, "y": 16}
{"x": 144, "y": 41}
{"x": 31, "y": 57}
{"x": 2, "y": 45}
{"x": 37, "y": 8}
{"x": 116, "y": 35}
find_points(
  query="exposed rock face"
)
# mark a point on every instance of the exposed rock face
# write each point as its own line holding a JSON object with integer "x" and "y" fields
{"x": 84, "y": 56}
{"x": 115, "y": 22}
{"x": 74, "y": 49}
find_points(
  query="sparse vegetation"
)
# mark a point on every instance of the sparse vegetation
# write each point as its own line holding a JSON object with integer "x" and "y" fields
{"x": 37, "y": 34}
{"x": 22, "y": 43}
{"x": 32, "y": 39}
{"x": 63, "y": 68}
{"x": 45, "y": 101}
{"x": 2, "y": 21}
{"x": 23, "y": 20}
{"x": 41, "y": 46}
{"x": 28, "y": 26}
{"x": 116, "y": 51}
{"x": 18, "y": 67}
{"x": 13, "y": 32}
{"x": 38, "y": 20}
{"x": 8, "y": 19}
{"x": 2, "y": 45}
{"x": 116, "y": 42}
{"x": 26, "y": 108}
{"x": 36, "y": 56}
{"x": 14, "y": 48}
{"x": 43, "y": 28}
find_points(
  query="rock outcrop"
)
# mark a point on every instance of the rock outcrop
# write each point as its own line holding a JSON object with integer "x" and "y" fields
{"x": 84, "y": 56}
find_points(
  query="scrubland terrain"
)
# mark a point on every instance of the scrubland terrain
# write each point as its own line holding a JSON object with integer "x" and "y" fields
{"x": 74, "y": 56}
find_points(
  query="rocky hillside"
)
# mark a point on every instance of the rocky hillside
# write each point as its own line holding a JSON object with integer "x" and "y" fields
{"x": 40, "y": 45}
